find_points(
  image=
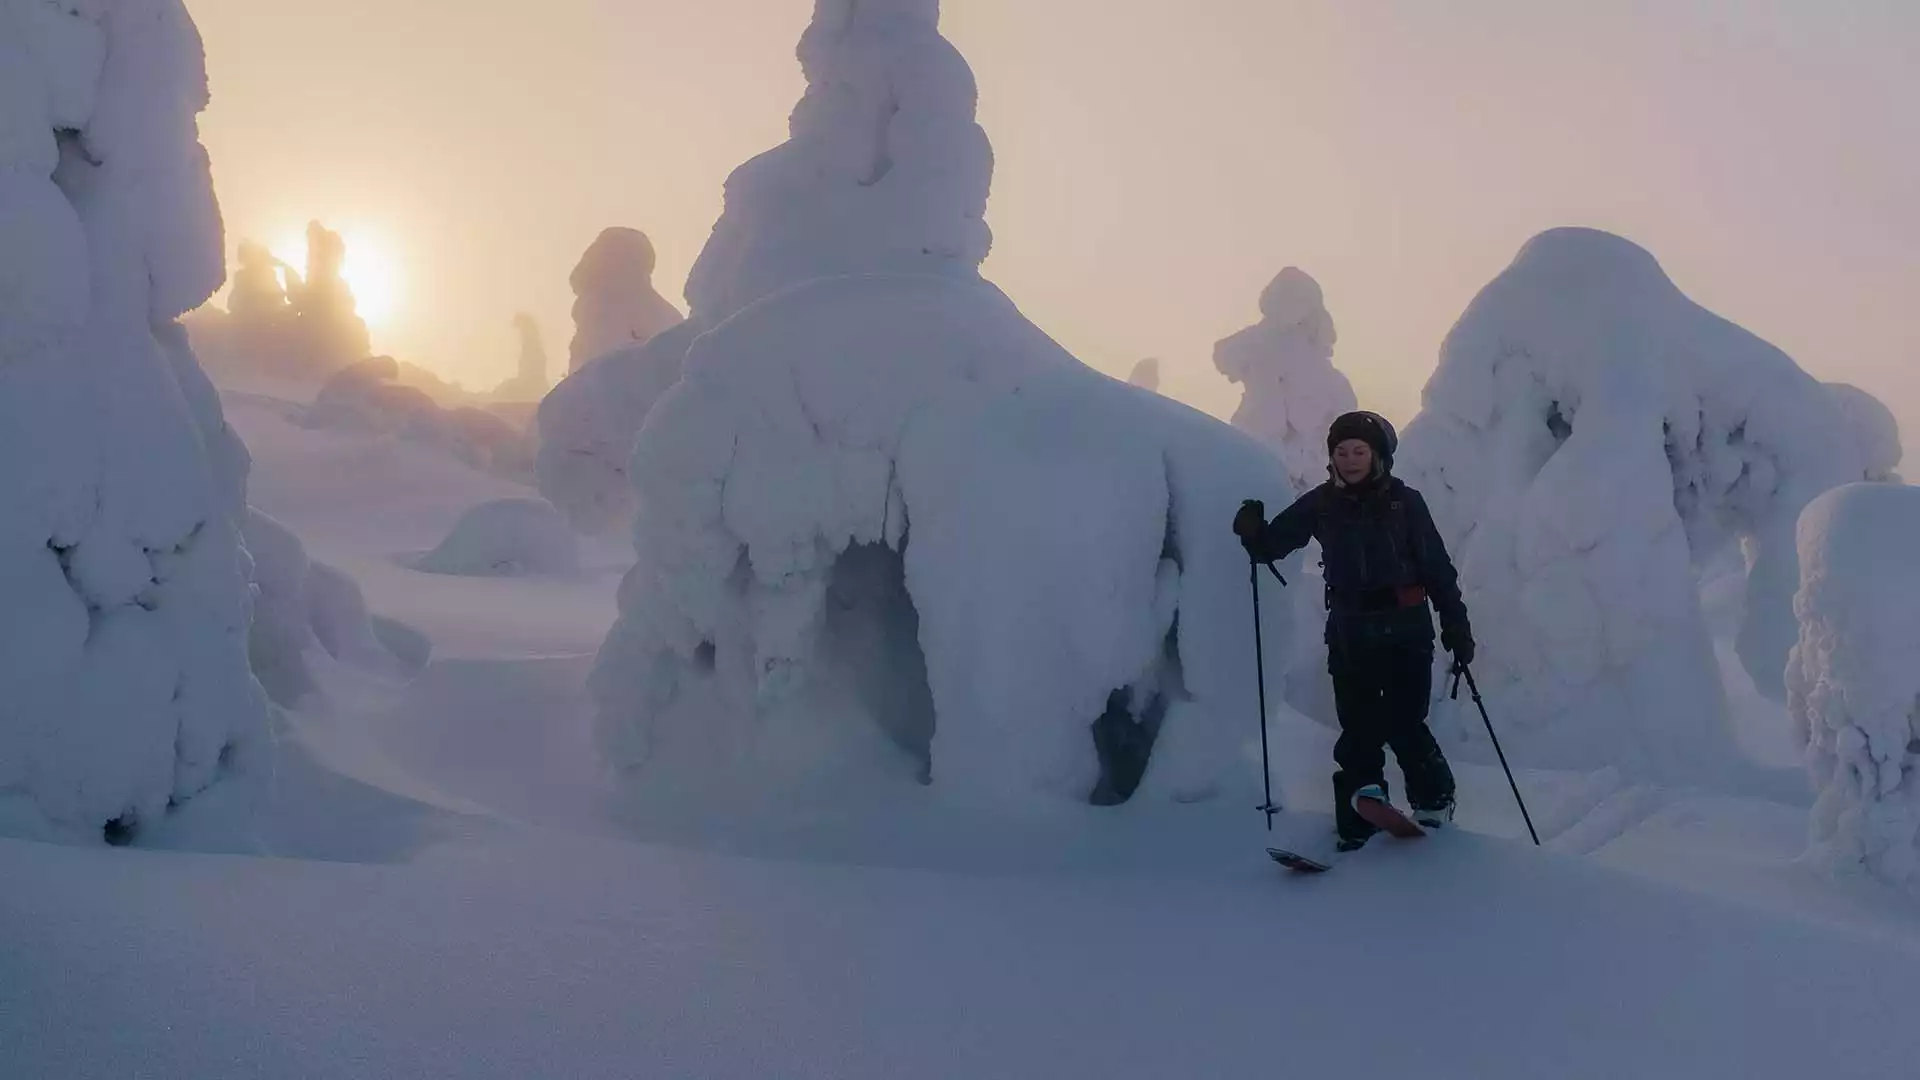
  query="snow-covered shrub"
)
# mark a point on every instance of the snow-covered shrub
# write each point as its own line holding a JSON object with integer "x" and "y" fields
{"x": 615, "y": 304}
{"x": 124, "y": 681}
{"x": 1590, "y": 435}
{"x": 1285, "y": 361}
{"x": 885, "y": 171}
{"x": 506, "y": 538}
{"x": 886, "y": 524}
{"x": 1853, "y": 683}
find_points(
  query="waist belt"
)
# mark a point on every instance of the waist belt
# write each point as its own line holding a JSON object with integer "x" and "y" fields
{"x": 1386, "y": 598}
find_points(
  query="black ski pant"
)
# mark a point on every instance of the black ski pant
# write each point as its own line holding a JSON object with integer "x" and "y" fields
{"x": 1381, "y": 693}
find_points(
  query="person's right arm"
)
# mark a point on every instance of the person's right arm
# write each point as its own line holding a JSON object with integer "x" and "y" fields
{"x": 1288, "y": 532}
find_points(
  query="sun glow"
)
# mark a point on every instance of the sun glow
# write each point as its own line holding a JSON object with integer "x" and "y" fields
{"x": 371, "y": 269}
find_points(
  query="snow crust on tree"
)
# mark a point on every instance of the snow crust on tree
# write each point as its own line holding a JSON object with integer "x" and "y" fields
{"x": 124, "y": 681}
{"x": 1146, "y": 374}
{"x": 506, "y": 538}
{"x": 1853, "y": 683}
{"x": 884, "y": 171}
{"x": 615, "y": 304}
{"x": 1590, "y": 436}
{"x": 1285, "y": 362}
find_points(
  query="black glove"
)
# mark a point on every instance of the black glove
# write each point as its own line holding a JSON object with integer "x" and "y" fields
{"x": 1458, "y": 640}
{"x": 1249, "y": 523}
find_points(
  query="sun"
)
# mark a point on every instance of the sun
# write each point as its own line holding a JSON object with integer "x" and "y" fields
{"x": 372, "y": 270}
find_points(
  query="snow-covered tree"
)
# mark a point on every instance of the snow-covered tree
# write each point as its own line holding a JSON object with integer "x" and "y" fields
{"x": 332, "y": 332}
{"x": 1853, "y": 683}
{"x": 1589, "y": 437}
{"x": 279, "y": 328}
{"x": 124, "y": 681}
{"x": 259, "y": 293}
{"x": 615, "y": 305}
{"x": 529, "y": 382}
{"x": 831, "y": 582}
{"x": 1285, "y": 362}
{"x": 1146, "y": 374}
{"x": 885, "y": 171}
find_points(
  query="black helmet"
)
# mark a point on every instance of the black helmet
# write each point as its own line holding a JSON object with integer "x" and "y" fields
{"x": 1370, "y": 428}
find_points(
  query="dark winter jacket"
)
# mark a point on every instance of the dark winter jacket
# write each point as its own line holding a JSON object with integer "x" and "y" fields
{"x": 1380, "y": 549}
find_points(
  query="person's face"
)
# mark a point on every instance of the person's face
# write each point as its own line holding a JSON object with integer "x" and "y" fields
{"x": 1353, "y": 460}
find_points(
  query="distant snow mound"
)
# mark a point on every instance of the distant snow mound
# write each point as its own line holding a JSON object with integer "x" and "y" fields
{"x": 885, "y": 171}
{"x": 1589, "y": 436}
{"x": 308, "y": 617}
{"x": 615, "y": 305}
{"x": 506, "y": 538}
{"x": 124, "y": 683}
{"x": 1285, "y": 361}
{"x": 1853, "y": 683}
{"x": 891, "y": 528}
{"x": 366, "y": 399}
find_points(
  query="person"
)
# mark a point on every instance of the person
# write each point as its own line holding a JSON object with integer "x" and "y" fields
{"x": 1386, "y": 567}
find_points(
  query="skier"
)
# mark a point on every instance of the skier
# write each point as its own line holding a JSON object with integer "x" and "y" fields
{"x": 1385, "y": 563}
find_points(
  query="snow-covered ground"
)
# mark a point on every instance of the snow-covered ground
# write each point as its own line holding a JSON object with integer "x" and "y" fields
{"x": 424, "y": 867}
{"x": 437, "y": 883}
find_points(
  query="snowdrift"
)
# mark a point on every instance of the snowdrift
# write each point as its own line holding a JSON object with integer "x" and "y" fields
{"x": 308, "y": 617}
{"x": 1853, "y": 684}
{"x": 1285, "y": 362}
{"x": 1589, "y": 437}
{"x": 506, "y": 538}
{"x": 888, "y": 522}
{"x": 124, "y": 682}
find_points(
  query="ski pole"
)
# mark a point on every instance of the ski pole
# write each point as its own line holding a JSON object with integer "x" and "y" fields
{"x": 1459, "y": 670}
{"x": 1260, "y": 675}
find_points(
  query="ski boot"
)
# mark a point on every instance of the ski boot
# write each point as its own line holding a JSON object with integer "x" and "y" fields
{"x": 1437, "y": 816}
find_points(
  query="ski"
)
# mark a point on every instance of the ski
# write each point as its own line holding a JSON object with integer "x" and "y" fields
{"x": 1380, "y": 815}
{"x": 1297, "y": 862}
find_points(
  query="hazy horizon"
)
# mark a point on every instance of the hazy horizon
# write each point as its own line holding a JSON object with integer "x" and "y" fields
{"x": 1155, "y": 167}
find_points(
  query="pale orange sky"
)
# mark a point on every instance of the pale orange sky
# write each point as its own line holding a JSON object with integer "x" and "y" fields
{"x": 1157, "y": 162}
